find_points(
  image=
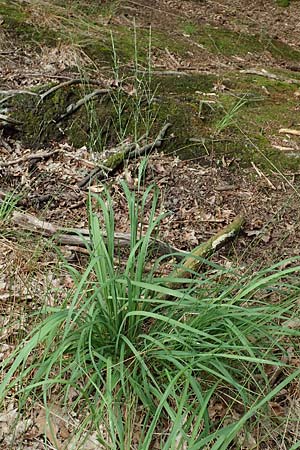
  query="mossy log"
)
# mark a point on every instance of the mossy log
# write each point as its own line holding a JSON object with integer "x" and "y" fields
{"x": 118, "y": 155}
{"x": 194, "y": 260}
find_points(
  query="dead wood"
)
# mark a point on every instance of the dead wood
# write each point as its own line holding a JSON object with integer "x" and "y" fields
{"x": 271, "y": 76}
{"x": 81, "y": 237}
{"x": 40, "y": 155}
{"x": 194, "y": 260}
{"x": 128, "y": 151}
{"x": 17, "y": 91}
{"x": 262, "y": 175}
{"x": 66, "y": 84}
{"x": 73, "y": 107}
{"x": 12, "y": 92}
{"x": 8, "y": 121}
{"x": 289, "y": 131}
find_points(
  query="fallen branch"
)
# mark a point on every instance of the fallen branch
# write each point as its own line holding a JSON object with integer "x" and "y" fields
{"x": 67, "y": 83}
{"x": 75, "y": 106}
{"x": 41, "y": 155}
{"x": 129, "y": 151}
{"x": 17, "y": 91}
{"x": 194, "y": 260}
{"x": 80, "y": 236}
{"x": 148, "y": 147}
{"x": 289, "y": 131}
{"x": 12, "y": 92}
{"x": 262, "y": 175}
{"x": 5, "y": 120}
{"x": 271, "y": 76}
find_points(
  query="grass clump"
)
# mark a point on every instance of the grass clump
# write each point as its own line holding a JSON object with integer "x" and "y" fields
{"x": 144, "y": 358}
{"x": 7, "y": 206}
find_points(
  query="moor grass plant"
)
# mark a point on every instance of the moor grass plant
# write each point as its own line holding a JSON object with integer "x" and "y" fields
{"x": 145, "y": 359}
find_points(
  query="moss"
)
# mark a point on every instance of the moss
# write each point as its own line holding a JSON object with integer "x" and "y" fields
{"x": 99, "y": 52}
{"x": 114, "y": 161}
{"x": 229, "y": 43}
{"x": 14, "y": 21}
{"x": 178, "y": 103}
{"x": 259, "y": 120}
{"x": 39, "y": 119}
{"x": 283, "y": 3}
{"x": 124, "y": 44}
{"x": 216, "y": 40}
{"x": 247, "y": 137}
{"x": 91, "y": 7}
{"x": 10, "y": 12}
{"x": 189, "y": 28}
{"x": 184, "y": 85}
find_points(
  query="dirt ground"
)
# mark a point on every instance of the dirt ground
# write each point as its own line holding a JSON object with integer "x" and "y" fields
{"x": 200, "y": 195}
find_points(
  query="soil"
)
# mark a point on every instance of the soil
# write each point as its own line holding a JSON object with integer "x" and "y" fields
{"x": 202, "y": 191}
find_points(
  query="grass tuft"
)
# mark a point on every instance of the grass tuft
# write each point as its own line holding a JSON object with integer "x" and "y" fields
{"x": 144, "y": 359}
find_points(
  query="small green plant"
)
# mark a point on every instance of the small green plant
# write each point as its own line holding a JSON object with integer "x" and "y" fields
{"x": 133, "y": 98}
{"x": 7, "y": 205}
{"x": 144, "y": 357}
{"x": 206, "y": 107}
{"x": 189, "y": 29}
{"x": 283, "y": 3}
{"x": 230, "y": 116}
{"x": 130, "y": 112}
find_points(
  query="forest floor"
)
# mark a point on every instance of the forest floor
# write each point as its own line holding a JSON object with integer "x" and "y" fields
{"x": 229, "y": 49}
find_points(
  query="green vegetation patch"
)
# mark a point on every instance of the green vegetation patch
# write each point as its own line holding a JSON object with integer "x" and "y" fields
{"x": 16, "y": 21}
{"x": 157, "y": 347}
{"x": 229, "y": 43}
{"x": 268, "y": 106}
{"x": 39, "y": 119}
{"x": 240, "y": 122}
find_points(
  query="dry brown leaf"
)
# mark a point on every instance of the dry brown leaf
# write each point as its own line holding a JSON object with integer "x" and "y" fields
{"x": 90, "y": 442}
{"x": 52, "y": 424}
{"x": 292, "y": 323}
{"x": 277, "y": 409}
{"x": 12, "y": 426}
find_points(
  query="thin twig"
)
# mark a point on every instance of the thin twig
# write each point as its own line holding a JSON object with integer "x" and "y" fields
{"x": 17, "y": 91}
{"x": 148, "y": 147}
{"x": 262, "y": 175}
{"x": 289, "y": 131}
{"x": 67, "y": 83}
{"x": 75, "y": 106}
{"x": 41, "y": 155}
{"x": 194, "y": 260}
{"x": 5, "y": 120}
{"x": 271, "y": 76}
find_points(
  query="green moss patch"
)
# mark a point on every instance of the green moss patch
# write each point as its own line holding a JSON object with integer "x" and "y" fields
{"x": 15, "y": 21}
{"x": 239, "y": 123}
{"x": 230, "y": 43}
{"x": 201, "y": 124}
